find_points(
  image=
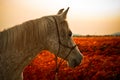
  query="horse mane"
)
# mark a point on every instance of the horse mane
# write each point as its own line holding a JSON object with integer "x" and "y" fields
{"x": 23, "y": 35}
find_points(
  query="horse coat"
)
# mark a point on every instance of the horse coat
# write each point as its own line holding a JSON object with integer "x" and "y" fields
{"x": 21, "y": 43}
{"x": 17, "y": 43}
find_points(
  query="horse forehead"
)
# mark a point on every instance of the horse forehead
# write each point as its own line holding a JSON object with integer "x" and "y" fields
{"x": 57, "y": 21}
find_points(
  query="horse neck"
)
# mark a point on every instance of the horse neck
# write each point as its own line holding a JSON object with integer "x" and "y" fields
{"x": 21, "y": 44}
{"x": 23, "y": 41}
{"x": 25, "y": 36}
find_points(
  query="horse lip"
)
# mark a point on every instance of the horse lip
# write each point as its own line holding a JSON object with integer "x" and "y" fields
{"x": 76, "y": 63}
{"x": 73, "y": 63}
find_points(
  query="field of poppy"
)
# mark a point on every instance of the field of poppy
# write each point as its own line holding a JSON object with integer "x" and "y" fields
{"x": 101, "y": 62}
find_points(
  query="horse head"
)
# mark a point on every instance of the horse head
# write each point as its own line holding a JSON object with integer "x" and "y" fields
{"x": 60, "y": 40}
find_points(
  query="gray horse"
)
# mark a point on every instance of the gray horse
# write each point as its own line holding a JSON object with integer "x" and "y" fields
{"x": 21, "y": 43}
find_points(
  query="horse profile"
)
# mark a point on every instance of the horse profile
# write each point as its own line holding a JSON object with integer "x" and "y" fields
{"x": 21, "y": 43}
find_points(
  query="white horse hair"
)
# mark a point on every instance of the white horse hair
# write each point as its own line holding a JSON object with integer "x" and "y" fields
{"x": 21, "y": 43}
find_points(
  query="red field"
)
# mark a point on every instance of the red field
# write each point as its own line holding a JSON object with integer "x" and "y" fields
{"x": 101, "y": 62}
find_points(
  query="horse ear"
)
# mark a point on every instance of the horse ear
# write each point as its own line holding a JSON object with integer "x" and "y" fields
{"x": 60, "y": 11}
{"x": 64, "y": 14}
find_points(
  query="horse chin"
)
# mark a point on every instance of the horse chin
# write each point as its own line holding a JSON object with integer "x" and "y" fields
{"x": 71, "y": 64}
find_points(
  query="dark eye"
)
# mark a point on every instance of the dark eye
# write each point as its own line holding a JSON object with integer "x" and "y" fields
{"x": 70, "y": 33}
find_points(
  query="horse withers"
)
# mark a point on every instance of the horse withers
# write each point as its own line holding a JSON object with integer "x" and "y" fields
{"x": 21, "y": 43}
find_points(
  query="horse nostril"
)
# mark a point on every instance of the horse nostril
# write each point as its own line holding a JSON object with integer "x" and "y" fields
{"x": 75, "y": 62}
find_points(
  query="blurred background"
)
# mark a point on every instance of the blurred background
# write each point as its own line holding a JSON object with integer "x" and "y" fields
{"x": 85, "y": 17}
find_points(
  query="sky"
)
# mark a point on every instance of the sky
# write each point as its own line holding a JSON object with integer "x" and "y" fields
{"x": 93, "y": 17}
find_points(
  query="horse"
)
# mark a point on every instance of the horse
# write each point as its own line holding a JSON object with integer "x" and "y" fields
{"x": 21, "y": 43}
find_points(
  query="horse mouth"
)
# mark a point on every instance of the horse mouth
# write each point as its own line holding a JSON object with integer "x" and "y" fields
{"x": 73, "y": 63}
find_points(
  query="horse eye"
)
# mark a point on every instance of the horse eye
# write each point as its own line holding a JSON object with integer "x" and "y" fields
{"x": 70, "y": 33}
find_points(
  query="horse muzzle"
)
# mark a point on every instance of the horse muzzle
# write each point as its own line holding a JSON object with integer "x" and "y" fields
{"x": 75, "y": 62}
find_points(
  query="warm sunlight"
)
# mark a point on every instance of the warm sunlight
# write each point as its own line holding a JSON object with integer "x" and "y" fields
{"x": 36, "y": 43}
{"x": 85, "y": 16}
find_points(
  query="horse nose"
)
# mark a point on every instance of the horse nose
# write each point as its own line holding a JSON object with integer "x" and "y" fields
{"x": 77, "y": 62}
{"x": 80, "y": 59}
